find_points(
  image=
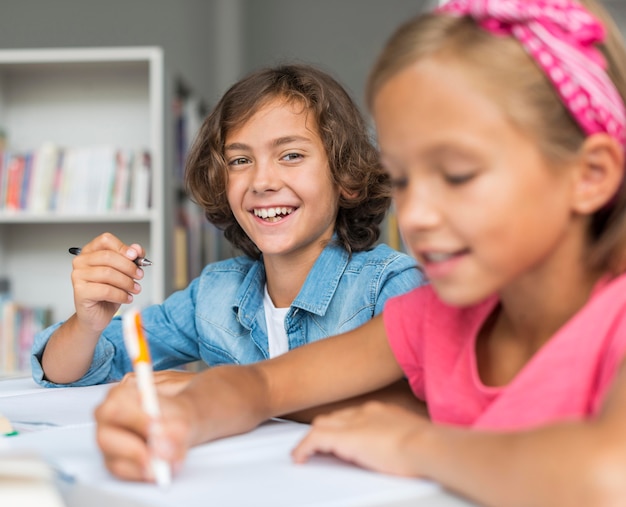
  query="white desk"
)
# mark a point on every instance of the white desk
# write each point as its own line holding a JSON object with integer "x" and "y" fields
{"x": 253, "y": 469}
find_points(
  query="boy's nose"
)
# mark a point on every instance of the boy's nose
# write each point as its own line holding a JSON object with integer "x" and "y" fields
{"x": 265, "y": 177}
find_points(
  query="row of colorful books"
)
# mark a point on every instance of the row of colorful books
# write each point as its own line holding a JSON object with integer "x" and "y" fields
{"x": 18, "y": 326}
{"x": 75, "y": 180}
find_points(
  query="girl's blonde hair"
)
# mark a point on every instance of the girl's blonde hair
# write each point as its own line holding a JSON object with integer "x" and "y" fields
{"x": 352, "y": 156}
{"x": 513, "y": 79}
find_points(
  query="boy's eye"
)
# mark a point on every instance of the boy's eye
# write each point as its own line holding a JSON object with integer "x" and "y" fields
{"x": 238, "y": 161}
{"x": 292, "y": 156}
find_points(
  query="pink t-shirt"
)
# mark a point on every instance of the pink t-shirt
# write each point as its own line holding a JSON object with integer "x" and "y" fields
{"x": 567, "y": 379}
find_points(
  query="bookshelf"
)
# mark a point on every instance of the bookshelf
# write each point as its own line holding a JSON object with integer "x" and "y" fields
{"x": 79, "y": 98}
{"x": 195, "y": 241}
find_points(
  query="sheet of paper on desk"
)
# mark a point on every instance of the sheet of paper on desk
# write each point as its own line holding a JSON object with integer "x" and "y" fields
{"x": 19, "y": 386}
{"x": 51, "y": 407}
{"x": 251, "y": 469}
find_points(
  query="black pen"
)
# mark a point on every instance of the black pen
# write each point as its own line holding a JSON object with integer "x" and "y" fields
{"x": 140, "y": 261}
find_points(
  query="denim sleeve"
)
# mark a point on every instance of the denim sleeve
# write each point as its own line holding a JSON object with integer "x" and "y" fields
{"x": 98, "y": 373}
{"x": 400, "y": 276}
{"x": 171, "y": 331}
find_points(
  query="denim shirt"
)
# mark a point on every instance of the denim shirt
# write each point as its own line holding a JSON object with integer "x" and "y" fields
{"x": 220, "y": 319}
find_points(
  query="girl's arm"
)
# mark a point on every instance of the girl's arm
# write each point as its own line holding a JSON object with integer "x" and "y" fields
{"x": 228, "y": 400}
{"x": 399, "y": 393}
{"x": 576, "y": 463}
{"x": 103, "y": 278}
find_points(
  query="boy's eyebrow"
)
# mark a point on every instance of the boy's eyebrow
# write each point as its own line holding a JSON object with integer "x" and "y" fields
{"x": 237, "y": 146}
{"x": 274, "y": 143}
{"x": 289, "y": 139}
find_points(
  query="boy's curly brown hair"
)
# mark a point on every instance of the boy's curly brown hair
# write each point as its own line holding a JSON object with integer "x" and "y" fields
{"x": 352, "y": 157}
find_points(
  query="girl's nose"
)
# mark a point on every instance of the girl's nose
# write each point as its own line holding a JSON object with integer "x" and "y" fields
{"x": 417, "y": 210}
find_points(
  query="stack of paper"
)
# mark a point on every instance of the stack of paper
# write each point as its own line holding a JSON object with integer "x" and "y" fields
{"x": 26, "y": 480}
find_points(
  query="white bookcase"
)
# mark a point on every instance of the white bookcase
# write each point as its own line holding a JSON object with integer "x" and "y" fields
{"x": 75, "y": 98}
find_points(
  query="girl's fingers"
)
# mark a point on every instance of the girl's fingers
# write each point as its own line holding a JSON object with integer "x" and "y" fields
{"x": 129, "y": 439}
{"x": 125, "y": 453}
{"x": 122, "y": 409}
{"x": 322, "y": 438}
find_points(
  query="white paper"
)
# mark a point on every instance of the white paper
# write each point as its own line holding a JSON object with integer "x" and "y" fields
{"x": 49, "y": 407}
{"x": 251, "y": 469}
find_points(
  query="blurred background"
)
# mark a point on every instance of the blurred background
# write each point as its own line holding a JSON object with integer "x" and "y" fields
{"x": 214, "y": 42}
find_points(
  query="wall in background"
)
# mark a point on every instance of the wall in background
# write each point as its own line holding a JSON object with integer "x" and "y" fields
{"x": 213, "y": 42}
{"x": 182, "y": 27}
{"x": 343, "y": 37}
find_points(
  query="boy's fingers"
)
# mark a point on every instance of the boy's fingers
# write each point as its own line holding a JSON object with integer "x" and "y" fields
{"x": 108, "y": 241}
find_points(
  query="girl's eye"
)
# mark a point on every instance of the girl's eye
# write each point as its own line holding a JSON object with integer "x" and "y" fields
{"x": 399, "y": 183}
{"x": 458, "y": 179}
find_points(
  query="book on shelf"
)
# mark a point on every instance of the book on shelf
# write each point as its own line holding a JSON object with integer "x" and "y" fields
{"x": 94, "y": 179}
{"x": 188, "y": 255}
{"x": 188, "y": 112}
{"x": 18, "y": 326}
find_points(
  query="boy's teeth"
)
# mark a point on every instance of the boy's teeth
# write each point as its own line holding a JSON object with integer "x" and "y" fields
{"x": 272, "y": 212}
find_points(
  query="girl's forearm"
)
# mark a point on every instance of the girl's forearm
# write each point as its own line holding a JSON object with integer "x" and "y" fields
{"x": 226, "y": 400}
{"x": 399, "y": 393}
{"x": 566, "y": 464}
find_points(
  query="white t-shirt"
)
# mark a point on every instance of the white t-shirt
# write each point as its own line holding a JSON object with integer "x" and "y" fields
{"x": 275, "y": 320}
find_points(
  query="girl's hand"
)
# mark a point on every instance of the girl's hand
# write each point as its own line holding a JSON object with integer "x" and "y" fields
{"x": 103, "y": 278}
{"x": 167, "y": 382}
{"x": 375, "y": 435}
{"x": 128, "y": 438}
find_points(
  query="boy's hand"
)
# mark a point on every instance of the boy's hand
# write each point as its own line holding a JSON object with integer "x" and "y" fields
{"x": 103, "y": 278}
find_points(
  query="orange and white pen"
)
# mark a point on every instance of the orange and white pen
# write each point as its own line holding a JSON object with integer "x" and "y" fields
{"x": 137, "y": 348}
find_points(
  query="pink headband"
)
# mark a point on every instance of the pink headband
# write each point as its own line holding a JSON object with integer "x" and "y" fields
{"x": 560, "y": 36}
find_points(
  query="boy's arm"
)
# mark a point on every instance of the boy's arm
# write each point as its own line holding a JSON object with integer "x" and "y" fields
{"x": 103, "y": 278}
{"x": 69, "y": 352}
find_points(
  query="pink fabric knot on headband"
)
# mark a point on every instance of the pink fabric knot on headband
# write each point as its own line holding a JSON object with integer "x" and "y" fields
{"x": 560, "y": 35}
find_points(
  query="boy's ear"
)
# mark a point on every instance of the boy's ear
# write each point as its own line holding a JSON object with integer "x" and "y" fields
{"x": 347, "y": 194}
{"x": 599, "y": 174}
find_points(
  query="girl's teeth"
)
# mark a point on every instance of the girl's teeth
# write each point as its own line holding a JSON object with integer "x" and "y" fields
{"x": 438, "y": 257}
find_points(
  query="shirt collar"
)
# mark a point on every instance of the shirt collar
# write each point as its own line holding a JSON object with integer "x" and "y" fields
{"x": 322, "y": 281}
{"x": 316, "y": 293}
